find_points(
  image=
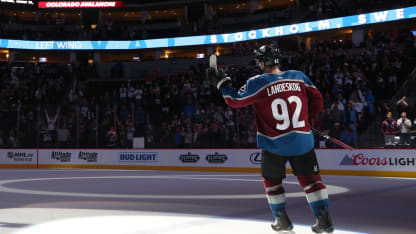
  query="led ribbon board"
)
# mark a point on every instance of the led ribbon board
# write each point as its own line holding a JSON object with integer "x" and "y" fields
{"x": 320, "y": 25}
{"x": 80, "y": 4}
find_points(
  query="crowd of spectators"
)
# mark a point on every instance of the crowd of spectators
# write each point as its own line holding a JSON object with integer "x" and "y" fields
{"x": 47, "y": 105}
{"x": 398, "y": 128}
{"x": 398, "y": 133}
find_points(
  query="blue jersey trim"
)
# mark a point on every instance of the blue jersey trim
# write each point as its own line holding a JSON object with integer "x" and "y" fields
{"x": 256, "y": 84}
{"x": 292, "y": 144}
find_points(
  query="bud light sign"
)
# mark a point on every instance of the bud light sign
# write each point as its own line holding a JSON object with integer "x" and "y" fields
{"x": 138, "y": 157}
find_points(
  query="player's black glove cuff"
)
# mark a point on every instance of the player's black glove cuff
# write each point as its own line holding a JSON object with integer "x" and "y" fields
{"x": 224, "y": 82}
{"x": 217, "y": 77}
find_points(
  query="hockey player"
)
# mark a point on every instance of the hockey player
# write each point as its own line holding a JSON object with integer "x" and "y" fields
{"x": 283, "y": 103}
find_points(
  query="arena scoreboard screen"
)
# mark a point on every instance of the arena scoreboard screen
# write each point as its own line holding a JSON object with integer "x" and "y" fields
{"x": 79, "y": 4}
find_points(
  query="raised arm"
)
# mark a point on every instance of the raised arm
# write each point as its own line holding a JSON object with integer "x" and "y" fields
{"x": 245, "y": 96}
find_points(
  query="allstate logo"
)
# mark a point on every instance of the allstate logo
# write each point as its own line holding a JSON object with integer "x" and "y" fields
{"x": 255, "y": 158}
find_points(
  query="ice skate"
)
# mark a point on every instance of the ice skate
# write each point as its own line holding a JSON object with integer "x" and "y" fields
{"x": 324, "y": 222}
{"x": 282, "y": 223}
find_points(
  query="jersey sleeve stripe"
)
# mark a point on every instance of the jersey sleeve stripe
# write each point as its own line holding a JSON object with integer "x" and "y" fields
{"x": 310, "y": 86}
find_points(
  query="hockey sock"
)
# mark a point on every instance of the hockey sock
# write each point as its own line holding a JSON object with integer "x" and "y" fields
{"x": 275, "y": 195}
{"x": 316, "y": 192}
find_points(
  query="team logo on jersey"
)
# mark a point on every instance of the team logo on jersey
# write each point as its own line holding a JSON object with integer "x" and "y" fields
{"x": 242, "y": 89}
{"x": 255, "y": 158}
{"x": 216, "y": 158}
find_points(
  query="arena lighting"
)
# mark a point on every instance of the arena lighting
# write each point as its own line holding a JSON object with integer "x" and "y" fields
{"x": 285, "y": 30}
{"x": 200, "y": 56}
{"x": 80, "y": 4}
{"x": 23, "y": 2}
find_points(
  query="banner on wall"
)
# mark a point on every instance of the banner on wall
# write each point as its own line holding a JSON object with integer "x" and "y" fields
{"x": 18, "y": 156}
{"x": 401, "y": 160}
{"x": 329, "y": 159}
{"x": 368, "y": 160}
{"x": 244, "y": 158}
{"x": 57, "y": 156}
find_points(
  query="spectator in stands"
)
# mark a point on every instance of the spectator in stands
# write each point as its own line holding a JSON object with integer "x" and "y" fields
{"x": 63, "y": 136}
{"x": 370, "y": 99}
{"x": 124, "y": 113}
{"x": 357, "y": 106}
{"x": 179, "y": 137}
{"x": 3, "y": 142}
{"x": 350, "y": 118}
{"x": 130, "y": 134}
{"x": 389, "y": 129}
{"x": 188, "y": 137}
{"x": 138, "y": 92}
{"x": 404, "y": 125}
{"x": 335, "y": 132}
{"x": 339, "y": 103}
{"x": 130, "y": 93}
{"x": 402, "y": 105}
{"x": 123, "y": 93}
{"x": 347, "y": 136}
{"x": 251, "y": 133}
{"x": 111, "y": 138}
{"x": 12, "y": 141}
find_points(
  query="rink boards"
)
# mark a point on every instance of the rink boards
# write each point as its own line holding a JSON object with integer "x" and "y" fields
{"x": 360, "y": 162}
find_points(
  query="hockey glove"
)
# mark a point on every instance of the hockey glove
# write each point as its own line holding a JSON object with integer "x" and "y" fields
{"x": 217, "y": 77}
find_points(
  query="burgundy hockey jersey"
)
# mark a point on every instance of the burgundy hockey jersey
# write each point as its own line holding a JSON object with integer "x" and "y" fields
{"x": 283, "y": 104}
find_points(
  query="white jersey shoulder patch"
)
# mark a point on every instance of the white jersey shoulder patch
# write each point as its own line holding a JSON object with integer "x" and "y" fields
{"x": 254, "y": 77}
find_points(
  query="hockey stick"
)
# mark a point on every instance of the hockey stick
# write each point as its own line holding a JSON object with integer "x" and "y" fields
{"x": 213, "y": 61}
{"x": 333, "y": 140}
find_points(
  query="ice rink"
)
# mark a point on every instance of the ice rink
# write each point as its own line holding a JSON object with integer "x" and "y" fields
{"x": 115, "y": 201}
